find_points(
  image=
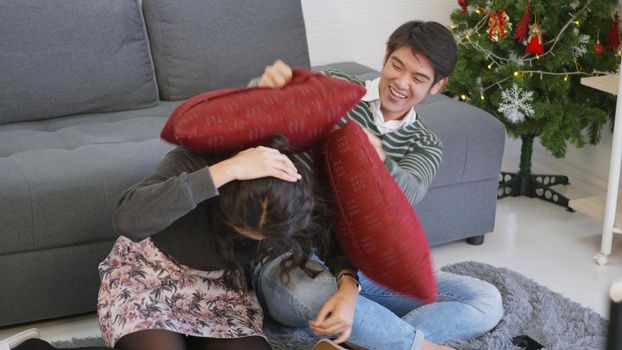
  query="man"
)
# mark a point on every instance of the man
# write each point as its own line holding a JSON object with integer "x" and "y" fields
{"x": 418, "y": 60}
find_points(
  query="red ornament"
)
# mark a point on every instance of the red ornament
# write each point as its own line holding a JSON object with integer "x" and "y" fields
{"x": 463, "y": 5}
{"x": 522, "y": 30}
{"x": 598, "y": 47}
{"x": 535, "y": 45}
{"x": 498, "y": 25}
{"x": 613, "y": 37}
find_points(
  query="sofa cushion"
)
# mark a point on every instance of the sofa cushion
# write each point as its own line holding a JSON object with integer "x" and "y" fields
{"x": 61, "y": 177}
{"x": 376, "y": 226}
{"x": 66, "y": 57}
{"x": 305, "y": 111}
{"x": 202, "y": 45}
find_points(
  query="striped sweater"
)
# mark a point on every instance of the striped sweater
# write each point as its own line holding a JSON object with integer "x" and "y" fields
{"x": 414, "y": 153}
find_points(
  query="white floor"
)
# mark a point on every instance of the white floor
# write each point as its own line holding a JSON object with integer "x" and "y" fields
{"x": 540, "y": 240}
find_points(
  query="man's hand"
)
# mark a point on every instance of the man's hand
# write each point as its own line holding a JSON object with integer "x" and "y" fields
{"x": 276, "y": 75}
{"x": 376, "y": 143}
{"x": 255, "y": 163}
{"x": 337, "y": 314}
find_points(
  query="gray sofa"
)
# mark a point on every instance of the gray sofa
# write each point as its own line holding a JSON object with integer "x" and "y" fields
{"x": 85, "y": 88}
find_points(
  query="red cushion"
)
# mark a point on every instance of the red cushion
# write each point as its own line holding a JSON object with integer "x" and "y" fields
{"x": 305, "y": 111}
{"x": 377, "y": 227}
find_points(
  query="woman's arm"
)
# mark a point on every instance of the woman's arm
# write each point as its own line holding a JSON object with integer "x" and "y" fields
{"x": 184, "y": 179}
{"x": 179, "y": 183}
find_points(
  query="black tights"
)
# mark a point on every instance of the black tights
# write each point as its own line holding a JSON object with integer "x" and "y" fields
{"x": 164, "y": 340}
{"x": 38, "y": 344}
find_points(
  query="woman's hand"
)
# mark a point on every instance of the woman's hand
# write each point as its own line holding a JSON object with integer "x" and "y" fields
{"x": 276, "y": 75}
{"x": 337, "y": 314}
{"x": 254, "y": 163}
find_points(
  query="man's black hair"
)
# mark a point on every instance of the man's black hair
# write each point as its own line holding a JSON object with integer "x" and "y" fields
{"x": 430, "y": 39}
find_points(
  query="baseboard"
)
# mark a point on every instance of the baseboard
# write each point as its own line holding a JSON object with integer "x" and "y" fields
{"x": 544, "y": 162}
{"x": 548, "y": 161}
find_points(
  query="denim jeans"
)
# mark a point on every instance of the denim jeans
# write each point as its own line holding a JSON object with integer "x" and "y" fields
{"x": 466, "y": 307}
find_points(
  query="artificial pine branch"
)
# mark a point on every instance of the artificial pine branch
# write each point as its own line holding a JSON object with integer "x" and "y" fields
{"x": 564, "y": 111}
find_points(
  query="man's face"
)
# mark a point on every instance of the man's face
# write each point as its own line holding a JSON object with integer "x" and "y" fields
{"x": 405, "y": 80}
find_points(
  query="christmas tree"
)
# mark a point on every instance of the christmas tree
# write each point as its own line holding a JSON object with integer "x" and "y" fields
{"x": 522, "y": 61}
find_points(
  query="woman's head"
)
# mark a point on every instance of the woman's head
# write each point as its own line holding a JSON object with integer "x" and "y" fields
{"x": 268, "y": 208}
{"x": 282, "y": 215}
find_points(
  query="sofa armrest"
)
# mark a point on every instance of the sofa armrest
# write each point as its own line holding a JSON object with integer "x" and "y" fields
{"x": 473, "y": 140}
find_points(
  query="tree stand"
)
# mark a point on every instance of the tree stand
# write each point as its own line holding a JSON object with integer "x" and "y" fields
{"x": 524, "y": 183}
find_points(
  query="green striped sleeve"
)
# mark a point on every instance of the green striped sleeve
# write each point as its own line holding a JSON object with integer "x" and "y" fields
{"x": 413, "y": 159}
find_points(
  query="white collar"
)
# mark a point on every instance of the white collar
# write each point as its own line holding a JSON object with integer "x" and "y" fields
{"x": 372, "y": 96}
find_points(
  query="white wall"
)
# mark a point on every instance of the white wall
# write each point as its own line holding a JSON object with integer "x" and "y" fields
{"x": 590, "y": 162}
{"x": 357, "y": 30}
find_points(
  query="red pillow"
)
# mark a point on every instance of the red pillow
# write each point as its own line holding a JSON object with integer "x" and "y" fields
{"x": 305, "y": 110}
{"x": 377, "y": 227}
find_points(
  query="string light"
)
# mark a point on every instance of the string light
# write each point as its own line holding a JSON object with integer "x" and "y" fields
{"x": 500, "y": 61}
{"x": 482, "y": 22}
{"x": 521, "y": 74}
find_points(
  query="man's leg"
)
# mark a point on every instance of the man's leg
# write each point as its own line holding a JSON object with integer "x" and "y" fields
{"x": 297, "y": 302}
{"x": 465, "y": 307}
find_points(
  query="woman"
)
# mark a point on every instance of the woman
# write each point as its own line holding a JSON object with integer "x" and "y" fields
{"x": 177, "y": 278}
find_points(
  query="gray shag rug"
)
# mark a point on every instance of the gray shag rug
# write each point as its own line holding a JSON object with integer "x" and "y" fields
{"x": 555, "y": 321}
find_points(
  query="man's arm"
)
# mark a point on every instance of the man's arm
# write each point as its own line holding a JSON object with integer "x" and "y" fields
{"x": 415, "y": 171}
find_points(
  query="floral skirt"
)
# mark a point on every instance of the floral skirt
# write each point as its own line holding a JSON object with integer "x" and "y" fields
{"x": 141, "y": 289}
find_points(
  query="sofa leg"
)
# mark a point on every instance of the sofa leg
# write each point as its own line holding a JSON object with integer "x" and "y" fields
{"x": 476, "y": 240}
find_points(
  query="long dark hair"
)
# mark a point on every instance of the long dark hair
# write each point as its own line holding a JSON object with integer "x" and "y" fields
{"x": 287, "y": 214}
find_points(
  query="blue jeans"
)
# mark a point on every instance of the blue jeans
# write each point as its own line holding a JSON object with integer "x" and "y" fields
{"x": 466, "y": 307}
